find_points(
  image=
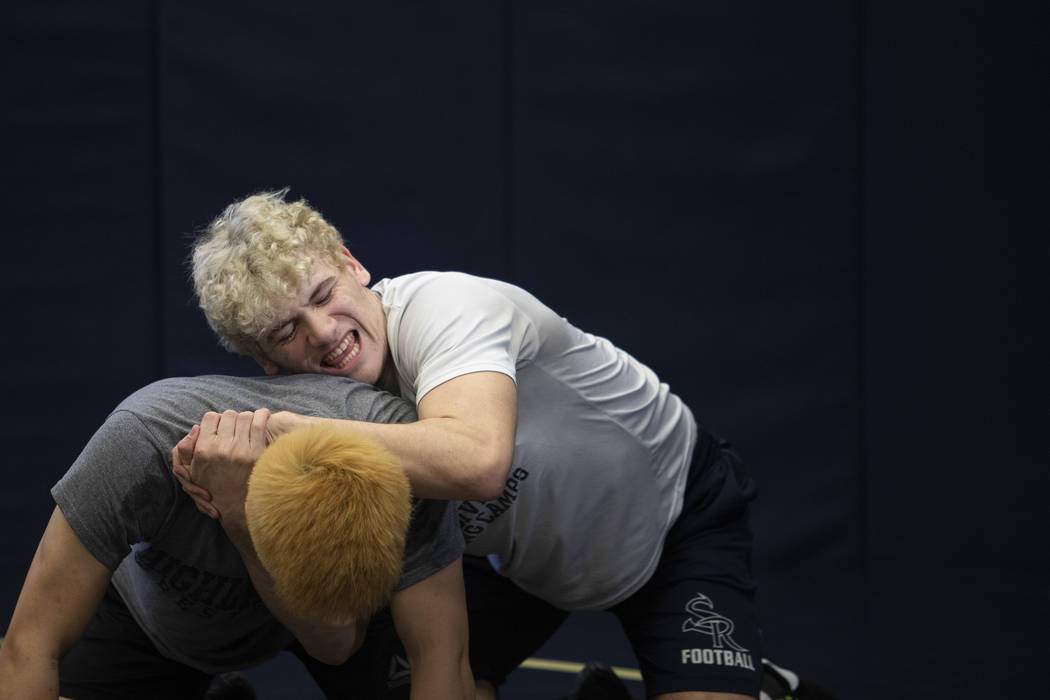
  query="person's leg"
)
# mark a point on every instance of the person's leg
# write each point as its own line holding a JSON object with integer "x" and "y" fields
{"x": 694, "y": 625}
{"x": 115, "y": 659}
{"x": 507, "y": 625}
{"x": 696, "y": 639}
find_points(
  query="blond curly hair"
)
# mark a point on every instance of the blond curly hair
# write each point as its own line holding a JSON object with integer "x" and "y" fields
{"x": 253, "y": 257}
{"x": 328, "y": 512}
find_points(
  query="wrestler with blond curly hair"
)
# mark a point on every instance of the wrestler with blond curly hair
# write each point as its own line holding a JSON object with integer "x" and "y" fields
{"x": 580, "y": 473}
{"x": 583, "y": 477}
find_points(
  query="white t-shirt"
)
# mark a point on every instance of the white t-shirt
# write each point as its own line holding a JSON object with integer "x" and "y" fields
{"x": 602, "y": 448}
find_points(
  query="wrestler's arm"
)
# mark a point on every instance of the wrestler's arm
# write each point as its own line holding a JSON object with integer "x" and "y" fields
{"x": 61, "y": 592}
{"x": 233, "y": 442}
{"x": 459, "y": 449}
{"x": 431, "y": 620}
{"x": 461, "y": 446}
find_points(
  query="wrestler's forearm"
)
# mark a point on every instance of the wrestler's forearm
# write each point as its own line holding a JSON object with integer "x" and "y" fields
{"x": 62, "y": 590}
{"x": 460, "y": 448}
{"x": 29, "y": 675}
{"x": 439, "y": 662}
{"x": 431, "y": 621}
{"x": 440, "y": 458}
{"x": 439, "y": 681}
{"x": 330, "y": 644}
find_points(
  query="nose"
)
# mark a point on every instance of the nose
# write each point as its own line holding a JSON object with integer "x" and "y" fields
{"x": 320, "y": 328}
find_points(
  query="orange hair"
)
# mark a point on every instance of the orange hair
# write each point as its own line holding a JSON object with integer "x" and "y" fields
{"x": 328, "y": 512}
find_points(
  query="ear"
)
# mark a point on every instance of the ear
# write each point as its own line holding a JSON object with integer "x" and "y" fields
{"x": 356, "y": 268}
{"x": 268, "y": 366}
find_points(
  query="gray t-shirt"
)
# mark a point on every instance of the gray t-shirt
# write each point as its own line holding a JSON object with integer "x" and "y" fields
{"x": 182, "y": 579}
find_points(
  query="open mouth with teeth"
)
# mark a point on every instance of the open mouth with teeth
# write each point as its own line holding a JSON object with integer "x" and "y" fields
{"x": 347, "y": 350}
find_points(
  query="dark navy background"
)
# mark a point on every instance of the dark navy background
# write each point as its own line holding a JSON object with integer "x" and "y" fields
{"x": 816, "y": 220}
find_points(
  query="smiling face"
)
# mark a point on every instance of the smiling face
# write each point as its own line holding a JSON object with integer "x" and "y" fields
{"x": 334, "y": 325}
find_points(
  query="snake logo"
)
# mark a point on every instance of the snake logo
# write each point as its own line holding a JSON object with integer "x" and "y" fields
{"x": 705, "y": 620}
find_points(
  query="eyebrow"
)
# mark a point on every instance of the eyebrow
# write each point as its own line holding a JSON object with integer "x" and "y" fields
{"x": 324, "y": 284}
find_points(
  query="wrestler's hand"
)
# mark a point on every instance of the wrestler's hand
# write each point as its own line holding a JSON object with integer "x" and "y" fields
{"x": 227, "y": 448}
{"x": 285, "y": 421}
{"x": 181, "y": 458}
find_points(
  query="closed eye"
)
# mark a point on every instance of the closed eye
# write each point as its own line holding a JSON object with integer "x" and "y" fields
{"x": 282, "y": 336}
{"x": 324, "y": 293}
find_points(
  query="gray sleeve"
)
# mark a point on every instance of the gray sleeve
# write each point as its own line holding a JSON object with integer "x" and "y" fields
{"x": 434, "y": 541}
{"x": 365, "y": 402}
{"x": 119, "y": 491}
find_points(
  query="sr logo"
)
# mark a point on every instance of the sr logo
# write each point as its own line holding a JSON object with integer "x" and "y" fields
{"x": 704, "y": 619}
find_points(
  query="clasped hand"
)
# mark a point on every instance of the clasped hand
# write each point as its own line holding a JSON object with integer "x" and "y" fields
{"x": 213, "y": 462}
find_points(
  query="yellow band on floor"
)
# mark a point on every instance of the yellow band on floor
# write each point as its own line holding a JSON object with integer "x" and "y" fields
{"x": 631, "y": 674}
